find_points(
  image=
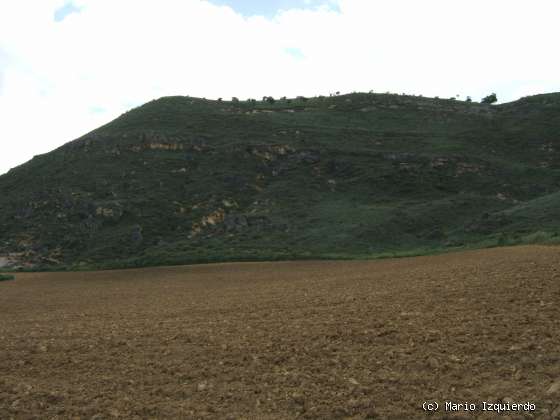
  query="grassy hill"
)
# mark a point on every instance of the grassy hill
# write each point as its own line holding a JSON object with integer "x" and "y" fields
{"x": 182, "y": 180}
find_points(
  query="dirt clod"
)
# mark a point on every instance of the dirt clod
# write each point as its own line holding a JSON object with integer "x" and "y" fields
{"x": 554, "y": 388}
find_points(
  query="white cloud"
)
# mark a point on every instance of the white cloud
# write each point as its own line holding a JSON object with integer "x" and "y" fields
{"x": 59, "y": 80}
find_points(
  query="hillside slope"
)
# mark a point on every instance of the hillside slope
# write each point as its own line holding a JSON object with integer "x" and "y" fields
{"x": 182, "y": 180}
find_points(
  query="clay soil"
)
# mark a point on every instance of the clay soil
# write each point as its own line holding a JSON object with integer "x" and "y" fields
{"x": 325, "y": 340}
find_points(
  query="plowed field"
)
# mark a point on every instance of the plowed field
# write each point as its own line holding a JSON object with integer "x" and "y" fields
{"x": 361, "y": 339}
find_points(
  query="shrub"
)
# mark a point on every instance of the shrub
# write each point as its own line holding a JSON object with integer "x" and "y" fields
{"x": 4, "y": 277}
{"x": 490, "y": 99}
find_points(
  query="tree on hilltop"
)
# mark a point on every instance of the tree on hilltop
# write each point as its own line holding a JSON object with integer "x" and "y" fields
{"x": 490, "y": 99}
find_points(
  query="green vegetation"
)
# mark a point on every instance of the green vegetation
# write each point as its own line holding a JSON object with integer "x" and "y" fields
{"x": 490, "y": 99}
{"x": 187, "y": 180}
{"x": 4, "y": 277}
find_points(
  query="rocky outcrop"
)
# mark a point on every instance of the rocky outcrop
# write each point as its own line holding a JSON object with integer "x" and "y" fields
{"x": 270, "y": 152}
{"x": 109, "y": 211}
{"x": 5, "y": 261}
{"x": 165, "y": 146}
{"x": 212, "y": 219}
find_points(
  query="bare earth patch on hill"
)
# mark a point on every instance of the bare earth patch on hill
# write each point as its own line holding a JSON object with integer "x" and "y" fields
{"x": 361, "y": 339}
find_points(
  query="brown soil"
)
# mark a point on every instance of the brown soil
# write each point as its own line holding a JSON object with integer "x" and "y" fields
{"x": 285, "y": 340}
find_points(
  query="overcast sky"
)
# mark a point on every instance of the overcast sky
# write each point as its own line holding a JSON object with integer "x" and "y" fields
{"x": 67, "y": 67}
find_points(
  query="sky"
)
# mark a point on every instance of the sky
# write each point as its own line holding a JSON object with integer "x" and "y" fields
{"x": 67, "y": 67}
